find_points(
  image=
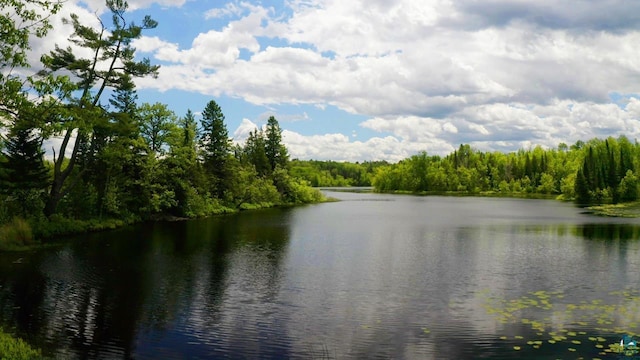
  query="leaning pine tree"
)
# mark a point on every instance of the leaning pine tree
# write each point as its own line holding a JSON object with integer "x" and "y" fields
{"x": 111, "y": 63}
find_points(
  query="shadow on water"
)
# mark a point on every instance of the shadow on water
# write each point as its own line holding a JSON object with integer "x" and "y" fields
{"x": 119, "y": 294}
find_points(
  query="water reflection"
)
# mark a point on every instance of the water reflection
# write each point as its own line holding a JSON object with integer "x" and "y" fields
{"x": 375, "y": 276}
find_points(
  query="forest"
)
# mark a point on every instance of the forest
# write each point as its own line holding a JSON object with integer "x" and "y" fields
{"x": 116, "y": 161}
{"x": 596, "y": 171}
{"x": 335, "y": 174}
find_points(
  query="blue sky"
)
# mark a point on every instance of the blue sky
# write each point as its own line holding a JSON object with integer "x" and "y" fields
{"x": 384, "y": 79}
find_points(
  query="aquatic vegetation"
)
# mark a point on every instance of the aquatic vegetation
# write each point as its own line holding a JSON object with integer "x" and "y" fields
{"x": 593, "y": 326}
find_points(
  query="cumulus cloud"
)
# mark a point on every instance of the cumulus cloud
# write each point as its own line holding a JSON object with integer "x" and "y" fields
{"x": 428, "y": 75}
{"x": 608, "y": 15}
{"x": 338, "y": 147}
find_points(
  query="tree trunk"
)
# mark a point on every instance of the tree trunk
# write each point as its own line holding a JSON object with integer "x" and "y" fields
{"x": 55, "y": 195}
{"x": 59, "y": 175}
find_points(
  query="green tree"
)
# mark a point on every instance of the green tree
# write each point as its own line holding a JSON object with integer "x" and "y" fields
{"x": 19, "y": 21}
{"x": 189, "y": 132}
{"x": 182, "y": 171}
{"x": 112, "y": 58}
{"x": 274, "y": 149}
{"x": 216, "y": 146}
{"x": 156, "y": 124}
{"x": 254, "y": 153}
{"x": 629, "y": 190}
{"x": 25, "y": 175}
{"x": 25, "y": 166}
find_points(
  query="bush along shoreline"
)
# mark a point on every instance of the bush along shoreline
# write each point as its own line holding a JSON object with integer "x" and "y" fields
{"x": 21, "y": 234}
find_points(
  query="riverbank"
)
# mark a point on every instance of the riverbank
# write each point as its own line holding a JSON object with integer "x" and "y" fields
{"x": 627, "y": 210}
{"x": 28, "y": 234}
{"x": 623, "y": 210}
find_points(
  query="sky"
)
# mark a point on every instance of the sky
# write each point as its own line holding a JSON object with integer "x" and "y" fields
{"x": 369, "y": 80}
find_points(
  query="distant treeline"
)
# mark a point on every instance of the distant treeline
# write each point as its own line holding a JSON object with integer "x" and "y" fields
{"x": 598, "y": 171}
{"x": 333, "y": 173}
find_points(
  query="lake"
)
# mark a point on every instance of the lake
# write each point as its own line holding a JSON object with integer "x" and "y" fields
{"x": 372, "y": 276}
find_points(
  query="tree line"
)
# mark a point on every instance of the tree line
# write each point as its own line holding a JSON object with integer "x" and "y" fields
{"x": 335, "y": 174}
{"x": 598, "y": 171}
{"x": 115, "y": 158}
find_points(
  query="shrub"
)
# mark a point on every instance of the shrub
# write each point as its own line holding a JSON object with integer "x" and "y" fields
{"x": 15, "y": 234}
{"x": 16, "y": 349}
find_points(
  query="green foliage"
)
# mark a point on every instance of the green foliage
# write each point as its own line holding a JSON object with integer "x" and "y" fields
{"x": 24, "y": 167}
{"x": 292, "y": 190}
{"x": 157, "y": 122}
{"x": 216, "y": 147}
{"x": 16, "y": 349}
{"x": 111, "y": 64}
{"x": 57, "y": 225}
{"x": 275, "y": 151}
{"x": 254, "y": 153}
{"x": 596, "y": 171}
{"x": 214, "y": 138}
{"x": 16, "y": 235}
{"x": 121, "y": 163}
{"x": 20, "y": 20}
{"x": 629, "y": 187}
{"x": 332, "y": 173}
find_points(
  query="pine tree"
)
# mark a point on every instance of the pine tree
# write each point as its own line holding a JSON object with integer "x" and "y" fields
{"x": 189, "y": 129}
{"x": 25, "y": 166}
{"x": 583, "y": 195}
{"x": 255, "y": 154}
{"x": 216, "y": 146}
{"x": 24, "y": 173}
{"x": 274, "y": 149}
{"x": 214, "y": 138}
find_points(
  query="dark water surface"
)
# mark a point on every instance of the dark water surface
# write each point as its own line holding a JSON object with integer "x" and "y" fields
{"x": 372, "y": 276}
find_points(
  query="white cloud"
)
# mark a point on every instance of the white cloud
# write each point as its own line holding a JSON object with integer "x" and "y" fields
{"x": 211, "y": 50}
{"x": 229, "y": 9}
{"x": 428, "y": 75}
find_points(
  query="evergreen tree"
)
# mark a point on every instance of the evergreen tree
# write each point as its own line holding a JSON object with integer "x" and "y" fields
{"x": 121, "y": 161}
{"x": 24, "y": 167}
{"x": 583, "y": 195}
{"x": 255, "y": 154}
{"x": 214, "y": 138}
{"x": 216, "y": 146}
{"x": 275, "y": 151}
{"x": 24, "y": 174}
{"x": 189, "y": 130}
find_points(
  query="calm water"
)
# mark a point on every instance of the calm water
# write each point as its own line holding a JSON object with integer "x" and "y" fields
{"x": 372, "y": 276}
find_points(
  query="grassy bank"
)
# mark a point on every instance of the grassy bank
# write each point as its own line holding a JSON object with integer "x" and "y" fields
{"x": 628, "y": 210}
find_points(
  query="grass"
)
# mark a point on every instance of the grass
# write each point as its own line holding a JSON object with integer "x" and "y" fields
{"x": 16, "y": 235}
{"x": 629, "y": 210}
